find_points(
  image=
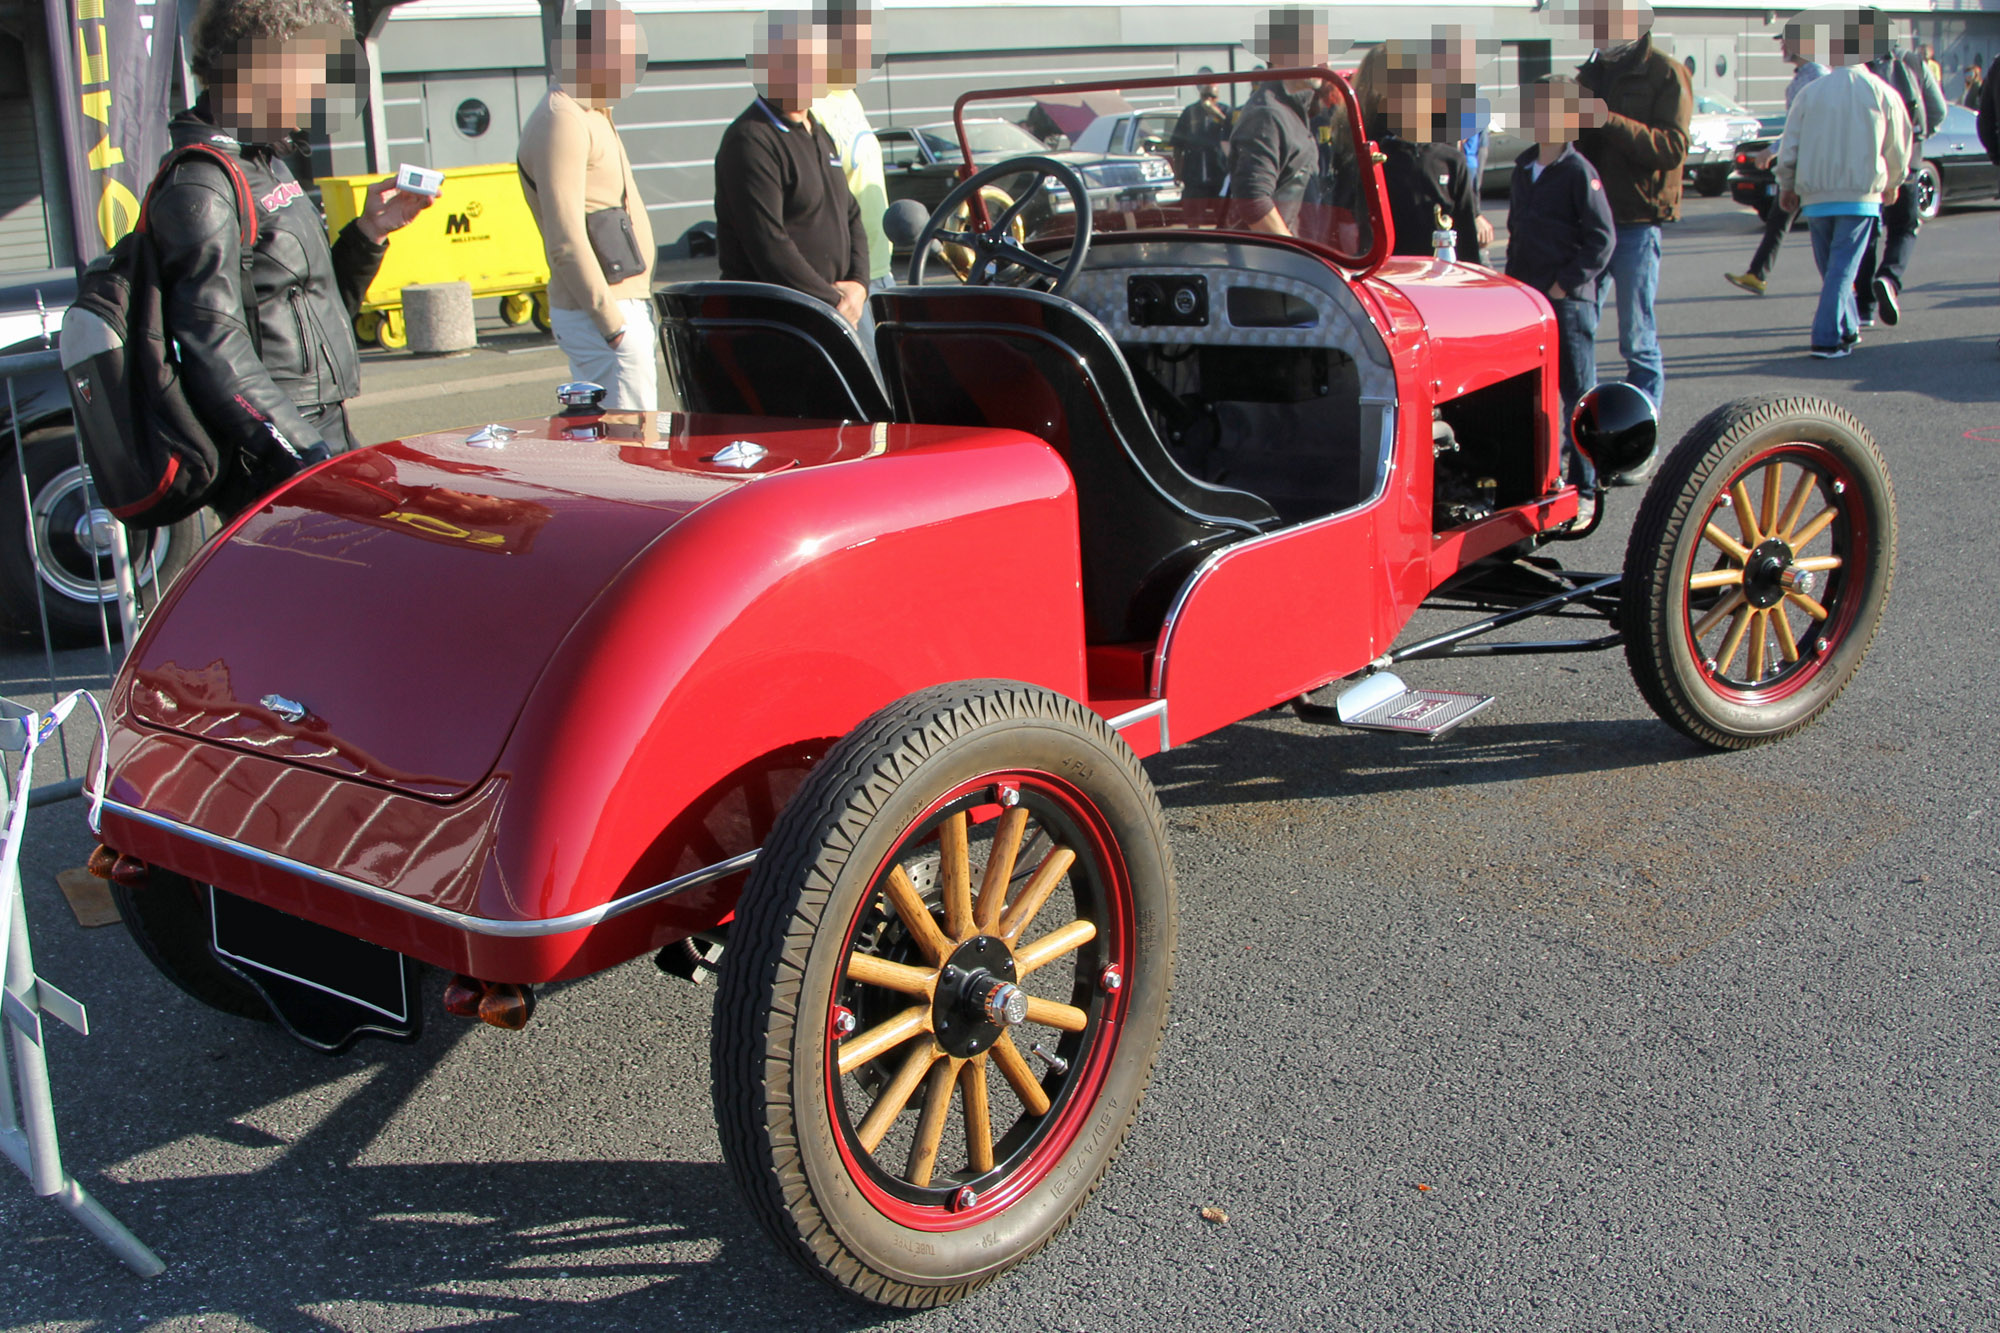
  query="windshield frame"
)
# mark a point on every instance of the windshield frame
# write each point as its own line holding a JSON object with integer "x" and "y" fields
{"x": 1381, "y": 233}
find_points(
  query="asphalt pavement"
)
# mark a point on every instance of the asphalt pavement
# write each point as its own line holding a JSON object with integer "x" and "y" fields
{"x": 1561, "y": 1022}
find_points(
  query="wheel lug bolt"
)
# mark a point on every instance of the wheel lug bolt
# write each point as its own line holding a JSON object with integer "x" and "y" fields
{"x": 843, "y": 1021}
{"x": 1010, "y": 796}
{"x": 1112, "y": 978}
{"x": 965, "y": 1198}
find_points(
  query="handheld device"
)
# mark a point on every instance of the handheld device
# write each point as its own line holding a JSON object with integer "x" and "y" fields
{"x": 419, "y": 180}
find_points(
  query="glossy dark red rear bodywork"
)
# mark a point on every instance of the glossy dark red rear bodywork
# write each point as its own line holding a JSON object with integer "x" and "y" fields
{"x": 677, "y": 643}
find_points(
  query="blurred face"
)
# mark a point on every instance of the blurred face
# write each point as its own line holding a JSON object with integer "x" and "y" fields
{"x": 794, "y": 69}
{"x": 852, "y": 50}
{"x": 275, "y": 87}
{"x": 1557, "y": 113}
{"x": 1610, "y": 23}
{"x": 1298, "y": 48}
{"x": 1205, "y": 91}
{"x": 1413, "y": 100}
{"x": 603, "y": 64}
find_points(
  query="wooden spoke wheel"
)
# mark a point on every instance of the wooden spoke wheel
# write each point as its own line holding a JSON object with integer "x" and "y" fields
{"x": 945, "y": 989}
{"x": 1758, "y": 569}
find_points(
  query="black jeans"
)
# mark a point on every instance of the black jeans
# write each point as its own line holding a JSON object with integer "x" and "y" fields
{"x": 1776, "y": 223}
{"x": 1898, "y": 235}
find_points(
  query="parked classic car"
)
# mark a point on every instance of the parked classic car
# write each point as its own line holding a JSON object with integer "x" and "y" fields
{"x": 923, "y": 163}
{"x": 55, "y": 549}
{"x": 1718, "y": 124}
{"x": 839, "y": 685}
{"x": 1956, "y": 168}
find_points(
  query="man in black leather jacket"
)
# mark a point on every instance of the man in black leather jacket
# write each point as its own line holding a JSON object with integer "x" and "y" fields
{"x": 270, "y": 390}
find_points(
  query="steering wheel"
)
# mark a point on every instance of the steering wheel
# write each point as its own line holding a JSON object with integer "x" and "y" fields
{"x": 995, "y": 252}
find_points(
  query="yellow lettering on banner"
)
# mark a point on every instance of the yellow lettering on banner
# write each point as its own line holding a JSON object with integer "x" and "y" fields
{"x": 117, "y": 211}
{"x": 91, "y": 68}
{"x": 105, "y": 155}
{"x": 97, "y": 106}
{"x": 86, "y": 10}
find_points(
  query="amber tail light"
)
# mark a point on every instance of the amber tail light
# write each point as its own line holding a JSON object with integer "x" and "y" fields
{"x": 116, "y": 866}
{"x": 502, "y": 1004}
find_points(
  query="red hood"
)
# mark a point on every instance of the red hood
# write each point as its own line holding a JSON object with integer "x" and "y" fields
{"x": 407, "y": 597}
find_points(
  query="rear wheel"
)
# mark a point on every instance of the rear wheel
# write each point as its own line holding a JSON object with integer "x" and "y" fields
{"x": 168, "y": 919}
{"x": 65, "y": 526}
{"x": 1758, "y": 569}
{"x": 945, "y": 990}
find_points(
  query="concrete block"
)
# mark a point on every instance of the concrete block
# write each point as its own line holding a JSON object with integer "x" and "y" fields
{"x": 438, "y": 318}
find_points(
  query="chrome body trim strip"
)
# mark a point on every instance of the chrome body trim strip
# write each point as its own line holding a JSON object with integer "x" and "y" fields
{"x": 1157, "y": 708}
{"x": 475, "y": 925}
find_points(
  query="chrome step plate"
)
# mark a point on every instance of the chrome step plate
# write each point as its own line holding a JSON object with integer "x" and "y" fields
{"x": 1384, "y": 703}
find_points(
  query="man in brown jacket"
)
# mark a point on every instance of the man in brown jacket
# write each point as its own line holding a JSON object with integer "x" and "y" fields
{"x": 1638, "y": 149}
{"x": 579, "y": 183}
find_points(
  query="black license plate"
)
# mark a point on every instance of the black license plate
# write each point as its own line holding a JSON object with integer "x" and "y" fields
{"x": 327, "y": 988}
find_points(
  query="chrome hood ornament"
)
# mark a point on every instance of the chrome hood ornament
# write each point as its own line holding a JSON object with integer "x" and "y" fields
{"x": 491, "y": 437}
{"x": 287, "y": 710}
{"x": 738, "y": 453}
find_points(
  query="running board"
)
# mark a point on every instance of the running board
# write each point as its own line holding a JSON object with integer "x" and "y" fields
{"x": 1384, "y": 703}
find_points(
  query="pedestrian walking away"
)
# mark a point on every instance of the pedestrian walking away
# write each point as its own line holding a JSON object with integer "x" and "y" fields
{"x": 578, "y": 181}
{"x": 1560, "y": 234}
{"x": 1975, "y": 88}
{"x": 265, "y": 341}
{"x": 1799, "y": 44}
{"x": 1638, "y": 151}
{"x": 1878, "y": 283}
{"x": 1842, "y": 159}
{"x": 783, "y": 211}
{"x": 1201, "y": 142}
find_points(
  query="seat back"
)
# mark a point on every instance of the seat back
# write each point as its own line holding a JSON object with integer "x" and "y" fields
{"x": 1022, "y": 360}
{"x": 753, "y": 349}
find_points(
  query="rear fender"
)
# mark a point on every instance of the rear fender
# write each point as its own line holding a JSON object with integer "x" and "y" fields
{"x": 682, "y": 711}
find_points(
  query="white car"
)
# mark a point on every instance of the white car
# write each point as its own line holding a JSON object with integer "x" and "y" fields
{"x": 1718, "y": 124}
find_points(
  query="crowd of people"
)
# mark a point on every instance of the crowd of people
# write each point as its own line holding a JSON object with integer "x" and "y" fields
{"x": 800, "y": 190}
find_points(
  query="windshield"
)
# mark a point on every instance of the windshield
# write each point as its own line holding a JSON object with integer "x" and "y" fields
{"x": 1270, "y": 154}
{"x": 987, "y": 136}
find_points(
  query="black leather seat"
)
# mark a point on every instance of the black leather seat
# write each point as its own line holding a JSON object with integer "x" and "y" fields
{"x": 753, "y": 349}
{"x": 1023, "y": 360}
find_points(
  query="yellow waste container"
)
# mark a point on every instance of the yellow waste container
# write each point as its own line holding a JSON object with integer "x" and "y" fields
{"x": 479, "y": 230}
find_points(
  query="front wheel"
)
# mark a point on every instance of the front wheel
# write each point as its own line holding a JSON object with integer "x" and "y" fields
{"x": 945, "y": 989}
{"x": 1758, "y": 569}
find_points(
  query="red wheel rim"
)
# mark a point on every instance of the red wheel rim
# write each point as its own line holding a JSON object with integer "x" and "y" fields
{"x": 1788, "y": 541}
{"x": 1095, "y": 887}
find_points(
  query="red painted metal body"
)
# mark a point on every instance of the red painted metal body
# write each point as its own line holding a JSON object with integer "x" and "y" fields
{"x": 536, "y": 679}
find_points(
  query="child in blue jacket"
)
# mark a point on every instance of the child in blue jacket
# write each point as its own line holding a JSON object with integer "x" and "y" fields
{"x": 1559, "y": 230}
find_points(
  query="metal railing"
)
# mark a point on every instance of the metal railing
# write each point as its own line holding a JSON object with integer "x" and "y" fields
{"x": 121, "y": 591}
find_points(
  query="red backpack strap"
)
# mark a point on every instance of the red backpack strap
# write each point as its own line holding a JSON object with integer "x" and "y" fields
{"x": 246, "y": 207}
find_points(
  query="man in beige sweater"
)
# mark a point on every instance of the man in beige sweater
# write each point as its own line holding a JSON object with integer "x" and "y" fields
{"x": 1845, "y": 149}
{"x": 577, "y": 178}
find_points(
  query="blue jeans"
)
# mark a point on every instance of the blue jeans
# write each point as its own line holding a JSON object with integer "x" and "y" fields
{"x": 1635, "y": 268}
{"x": 1837, "y": 246}
{"x": 1576, "y": 327}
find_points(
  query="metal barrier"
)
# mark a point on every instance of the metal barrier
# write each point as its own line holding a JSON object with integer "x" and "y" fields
{"x": 28, "y": 1136}
{"x": 125, "y": 593}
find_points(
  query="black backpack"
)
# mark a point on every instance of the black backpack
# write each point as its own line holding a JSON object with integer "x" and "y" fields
{"x": 151, "y": 459}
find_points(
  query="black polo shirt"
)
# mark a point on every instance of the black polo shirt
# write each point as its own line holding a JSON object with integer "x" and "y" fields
{"x": 783, "y": 212}
{"x": 1272, "y": 155}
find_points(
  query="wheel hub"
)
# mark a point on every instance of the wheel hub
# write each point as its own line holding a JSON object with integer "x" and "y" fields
{"x": 976, "y": 998}
{"x": 1764, "y": 574}
{"x": 93, "y": 531}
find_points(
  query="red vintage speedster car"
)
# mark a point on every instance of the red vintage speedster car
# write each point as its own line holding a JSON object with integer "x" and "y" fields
{"x": 838, "y": 685}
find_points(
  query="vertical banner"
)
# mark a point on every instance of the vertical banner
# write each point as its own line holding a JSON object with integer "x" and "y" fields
{"x": 114, "y": 63}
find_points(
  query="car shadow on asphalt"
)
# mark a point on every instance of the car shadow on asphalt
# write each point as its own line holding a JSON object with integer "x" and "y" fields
{"x": 287, "y": 1189}
{"x": 1875, "y": 366}
{"x": 1275, "y": 759}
